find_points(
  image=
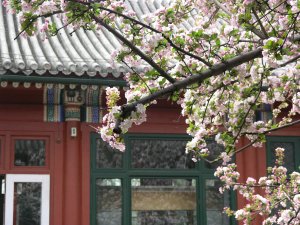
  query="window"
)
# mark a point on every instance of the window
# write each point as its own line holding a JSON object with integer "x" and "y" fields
{"x": 30, "y": 152}
{"x": 153, "y": 183}
{"x": 292, "y": 154}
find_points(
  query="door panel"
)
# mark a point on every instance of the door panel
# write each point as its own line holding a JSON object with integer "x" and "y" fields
{"x": 27, "y": 199}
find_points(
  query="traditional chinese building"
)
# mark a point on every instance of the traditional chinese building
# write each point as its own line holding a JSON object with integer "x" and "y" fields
{"x": 55, "y": 170}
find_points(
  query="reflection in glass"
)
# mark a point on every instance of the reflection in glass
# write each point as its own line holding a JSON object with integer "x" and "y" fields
{"x": 27, "y": 203}
{"x": 106, "y": 156}
{"x": 155, "y": 153}
{"x": 163, "y": 201}
{"x": 30, "y": 153}
{"x": 215, "y": 203}
{"x": 289, "y": 154}
{"x": 109, "y": 202}
{"x": 215, "y": 150}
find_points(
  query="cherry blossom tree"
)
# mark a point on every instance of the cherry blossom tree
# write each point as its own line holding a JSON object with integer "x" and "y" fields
{"x": 220, "y": 60}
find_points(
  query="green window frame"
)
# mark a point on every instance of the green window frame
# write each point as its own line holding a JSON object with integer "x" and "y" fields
{"x": 292, "y": 151}
{"x": 200, "y": 174}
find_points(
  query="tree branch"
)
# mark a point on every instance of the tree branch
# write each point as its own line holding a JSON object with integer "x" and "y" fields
{"x": 149, "y": 28}
{"x": 294, "y": 59}
{"x": 248, "y": 111}
{"x": 257, "y": 32}
{"x": 267, "y": 132}
{"x": 213, "y": 71}
{"x": 135, "y": 49}
{"x": 264, "y": 32}
{"x": 33, "y": 19}
{"x": 156, "y": 31}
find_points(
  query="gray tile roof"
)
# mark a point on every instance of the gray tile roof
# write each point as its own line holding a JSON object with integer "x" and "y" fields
{"x": 82, "y": 53}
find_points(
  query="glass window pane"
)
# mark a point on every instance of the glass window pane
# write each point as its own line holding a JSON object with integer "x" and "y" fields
{"x": 109, "y": 202}
{"x": 215, "y": 149}
{"x": 106, "y": 156}
{"x": 155, "y": 153}
{"x": 27, "y": 203}
{"x": 163, "y": 201}
{"x": 215, "y": 203}
{"x": 30, "y": 152}
{"x": 289, "y": 154}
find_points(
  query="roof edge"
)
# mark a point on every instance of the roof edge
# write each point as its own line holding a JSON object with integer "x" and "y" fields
{"x": 63, "y": 80}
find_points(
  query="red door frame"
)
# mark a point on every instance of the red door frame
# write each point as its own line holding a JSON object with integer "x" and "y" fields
{"x": 52, "y": 131}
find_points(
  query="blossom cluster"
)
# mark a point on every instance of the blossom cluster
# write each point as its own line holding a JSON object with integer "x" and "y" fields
{"x": 110, "y": 120}
{"x": 276, "y": 196}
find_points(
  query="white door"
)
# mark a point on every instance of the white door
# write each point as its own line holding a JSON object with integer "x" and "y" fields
{"x": 27, "y": 199}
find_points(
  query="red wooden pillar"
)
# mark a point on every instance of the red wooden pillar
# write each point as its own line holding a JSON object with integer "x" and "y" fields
{"x": 251, "y": 162}
{"x": 72, "y": 175}
{"x": 72, "y": 159}
{"x": 85, "y": 178}
{"x": 57, "y": 163}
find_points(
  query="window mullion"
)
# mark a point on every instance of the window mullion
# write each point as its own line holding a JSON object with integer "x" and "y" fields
{"x": 126, "y": 183}
{"x": 126, "y": 201}
{"x": 93, "y": 200}
{"x": 201, "y": 202}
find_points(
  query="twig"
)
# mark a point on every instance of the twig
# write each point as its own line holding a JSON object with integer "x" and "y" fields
{"x": 260, "y": 24}
{"x": 266, "y": 132}
{"x": 135, "y": 49}
{"x": 33, "y": 19}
